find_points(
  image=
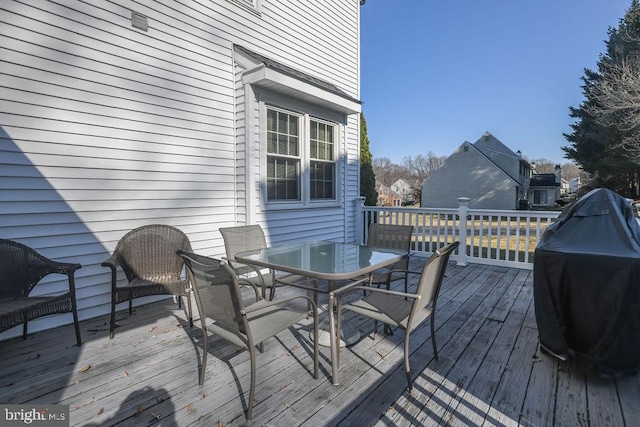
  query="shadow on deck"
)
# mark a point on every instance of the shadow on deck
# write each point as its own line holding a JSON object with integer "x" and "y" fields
{"x": 490, "y": 370}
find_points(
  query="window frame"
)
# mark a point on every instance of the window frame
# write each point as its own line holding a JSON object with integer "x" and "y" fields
{"x": 306, "y": 112}
{"x": 538, "y": 193}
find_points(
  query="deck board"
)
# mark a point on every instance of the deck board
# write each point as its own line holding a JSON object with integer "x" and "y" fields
{"x": 490, "y": 371}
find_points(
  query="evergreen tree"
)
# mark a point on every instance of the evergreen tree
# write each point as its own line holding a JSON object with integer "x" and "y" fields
{"x": 367, "y": 177}
{"x": 599, "y": 143}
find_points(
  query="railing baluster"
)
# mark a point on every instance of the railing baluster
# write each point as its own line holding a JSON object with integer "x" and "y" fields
{"x": 434, "y": 227}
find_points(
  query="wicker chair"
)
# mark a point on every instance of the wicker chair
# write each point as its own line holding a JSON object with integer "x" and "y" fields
{"x": 218, "y": 298}
{"x": 390, "y": 236}
{"x": 400, "y": 309}
{"x": 148, "y": 257}
{"x": 246, "y": 238}
{"x": 21, "y": 268}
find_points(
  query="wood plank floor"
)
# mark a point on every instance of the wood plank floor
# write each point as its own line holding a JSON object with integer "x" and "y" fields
{"x": 490, "y": 371}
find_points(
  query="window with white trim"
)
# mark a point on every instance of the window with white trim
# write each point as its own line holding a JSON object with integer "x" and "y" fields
{"x": 540, "y": 197}
{"x": 301, "y": 157}
{"x": 322, "y": 161}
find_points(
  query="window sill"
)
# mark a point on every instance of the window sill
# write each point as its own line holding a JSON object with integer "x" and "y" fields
{"x": 301, "y": 206}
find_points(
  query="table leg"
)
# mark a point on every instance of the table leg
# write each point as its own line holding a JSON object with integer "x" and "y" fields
{"x": 334, "y": 341}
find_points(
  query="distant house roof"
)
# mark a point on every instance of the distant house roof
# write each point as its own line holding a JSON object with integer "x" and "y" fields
{"x": 489, "y": 142}
{"x": 544, "y": 180}
{"x": 296, "y": 74}
{"x": 498, "y": 154}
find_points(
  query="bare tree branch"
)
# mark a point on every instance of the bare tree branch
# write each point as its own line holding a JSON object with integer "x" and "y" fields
{"x": 616, "y": 98}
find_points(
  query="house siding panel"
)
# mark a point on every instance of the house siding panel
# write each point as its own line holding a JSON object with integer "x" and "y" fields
{"x": 104, "y": 127}
{"x": 469, "y": 174}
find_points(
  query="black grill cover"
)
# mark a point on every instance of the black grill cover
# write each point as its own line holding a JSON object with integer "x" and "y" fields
{"x": 586, "y": 283}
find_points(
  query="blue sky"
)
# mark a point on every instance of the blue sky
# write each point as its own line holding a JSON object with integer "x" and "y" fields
{"x": 435, "y": 73}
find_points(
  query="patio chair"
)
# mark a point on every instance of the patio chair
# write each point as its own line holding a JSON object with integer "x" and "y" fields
{"x": 148, "y": 257}
{"x": 223, "y": 313}
{"x": 404, "y": 310}
{"x": 246, "y": 238}
{"x": 21, "y": 269}
{"x": 390, "y": 236}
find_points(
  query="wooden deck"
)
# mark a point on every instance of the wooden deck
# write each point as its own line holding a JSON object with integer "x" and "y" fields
{"x": 490, "y": 370}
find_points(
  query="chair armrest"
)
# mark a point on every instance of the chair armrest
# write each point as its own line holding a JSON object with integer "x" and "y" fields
{"x": 254, "y": 287}
{"x": 253, "y": 267}
{"x": 113, "y": 265}
{"x": 231, "y": 261}
{"x": 64, "y": 267}
{"x": 398, "y": 270}
{"x": 111, "y": 262}
{"x": 346, "y": 288}
{"x": 383, "y": 291}
{"x": 281, "y": 301}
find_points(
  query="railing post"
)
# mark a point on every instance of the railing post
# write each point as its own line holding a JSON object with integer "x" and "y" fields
{"x": 359, "y": 201}
{"x": 463, "y": 213}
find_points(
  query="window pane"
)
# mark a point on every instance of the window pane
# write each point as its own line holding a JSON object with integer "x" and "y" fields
{"x": 293, "y": 146}
{"x": 321, "y": 146}
{"x": 322, "y": 177}
{"x": 313, "y": 150}
{"x": 283, "y": 142}
{"x": 322, "y": 131}
{"x": 283, "y": 123}
{"x": 314, "y": 130}
{"x": 272, "y": 142}
{"x": 282, "y": 133}
{"x": 293, "y": 125}
{"x": 282, "y": 178}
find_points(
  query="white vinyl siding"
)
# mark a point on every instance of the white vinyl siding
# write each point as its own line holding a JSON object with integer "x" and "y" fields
{"x": 252, "y": 5}
{"x": 105, "y": 127}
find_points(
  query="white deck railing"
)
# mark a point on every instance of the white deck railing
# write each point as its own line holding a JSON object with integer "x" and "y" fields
{"x": 496, "y": 237}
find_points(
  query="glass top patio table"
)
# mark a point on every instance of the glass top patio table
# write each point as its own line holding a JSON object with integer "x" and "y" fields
{"x": 322, "y": 259}
{"x": 325, "y": 260}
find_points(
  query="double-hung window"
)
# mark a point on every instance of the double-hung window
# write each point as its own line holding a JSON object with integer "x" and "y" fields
{"x": 301, "y": 163}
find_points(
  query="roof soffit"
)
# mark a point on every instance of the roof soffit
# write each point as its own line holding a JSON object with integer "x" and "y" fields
{"x": 266, "y": 73}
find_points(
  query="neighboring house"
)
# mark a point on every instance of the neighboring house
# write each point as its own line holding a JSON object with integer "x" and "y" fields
{"x": 574, "y": 185}
{"x": 545, "y": 188}
{"x": 564, "y": 187}
{"x": 490, "y": 174}
{"x": 404, "y": 190}
{"x": 199, "y": 115}
{"x": 386, "y": 196}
